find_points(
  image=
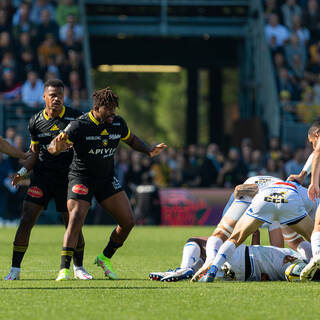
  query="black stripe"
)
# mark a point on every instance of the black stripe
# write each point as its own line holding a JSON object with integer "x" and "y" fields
{"x": 247, "y": 264}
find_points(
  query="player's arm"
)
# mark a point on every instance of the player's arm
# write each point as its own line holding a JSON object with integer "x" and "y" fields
{"x": 138, "y": 145}
{"x": 7, "y": 148}
{"x": 313, "y": 190}
{"x": 304, "y": 172}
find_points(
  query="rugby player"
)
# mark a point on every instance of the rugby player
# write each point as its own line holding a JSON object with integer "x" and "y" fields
{"x": 279, "y": 201}
{"x": 314, "y": 194}
{"x": 50, "y": 176}
{"x": 95, "y": 137}
{"x": 247, "y": 263}
{"x": 236, "y": 207}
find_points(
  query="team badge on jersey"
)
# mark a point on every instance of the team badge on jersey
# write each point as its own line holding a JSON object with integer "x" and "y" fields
{"x": 54, "y": 128}
{"x": 80, "y": 189}
{"x": 104, "y": 132}
{"x": 105, "y": 142}
{"x": 35, "y": 192}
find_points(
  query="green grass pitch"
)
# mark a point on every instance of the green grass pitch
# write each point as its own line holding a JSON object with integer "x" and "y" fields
{"x": 38, "y": 296}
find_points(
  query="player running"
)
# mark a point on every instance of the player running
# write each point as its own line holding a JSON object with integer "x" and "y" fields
{"x": 95, "y": 137}
{"x": 50, "y": 176}
{"x": 280, "y": 201}
{"x": 247, "y": 263}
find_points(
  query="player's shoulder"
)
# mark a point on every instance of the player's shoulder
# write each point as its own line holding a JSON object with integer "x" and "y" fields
{"x": 72, "y": 114}
{"x": 36, "y": 118}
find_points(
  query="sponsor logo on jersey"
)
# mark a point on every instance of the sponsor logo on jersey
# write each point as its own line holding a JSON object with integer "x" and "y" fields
{"x": 54, "y": 128}
{"x": 45, "y": 134}
{"x": 105, "y": 142}
{"x": 114, "y": 136}
{"x": 35, "y": 192}
{"x": 92, "y": 138}
{"x": 104, "y": 132}
{"x": 108, "y": 152}
{"x": 116, "y": 124}
{"x": 116, "y": 184}
{"x": 80, "y": 189}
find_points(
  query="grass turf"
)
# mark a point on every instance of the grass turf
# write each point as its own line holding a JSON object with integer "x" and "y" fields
{"x": 38, "y": 296}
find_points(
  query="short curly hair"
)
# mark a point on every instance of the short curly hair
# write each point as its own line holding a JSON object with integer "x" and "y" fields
{"x": 315, "y": 127}
{"x": 105, "y": 97}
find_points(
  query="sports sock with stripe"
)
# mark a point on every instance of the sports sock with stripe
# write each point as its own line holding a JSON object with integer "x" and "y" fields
{"x": 212, "y": 247}
{"x": 18, "y": 254}
{"x": 190, "y": 255}
{"x": 225, "y": 251}
{"x": 66, "y": 256}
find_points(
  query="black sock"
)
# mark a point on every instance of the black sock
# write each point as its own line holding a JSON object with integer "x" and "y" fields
{"x": 17, "y": 256}
{"x": 78, "y": 257}
{"x": 66, "y": 256}
{"x": 111, "y": 248}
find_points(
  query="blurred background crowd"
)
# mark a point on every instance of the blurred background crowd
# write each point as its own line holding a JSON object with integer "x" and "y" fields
{"x": 293, "y": 34}
{"x": 40, "y": 40}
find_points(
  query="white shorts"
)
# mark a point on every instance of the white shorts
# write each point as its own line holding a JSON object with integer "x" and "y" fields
{"x": 236, "y": 263}
{"x": 277, "y": 203}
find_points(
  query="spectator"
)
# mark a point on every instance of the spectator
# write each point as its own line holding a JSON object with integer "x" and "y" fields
{"x": 302, "y": 32}
{"x": 8, "y": 62}
{"x": 22, "y": 23}
{"x": 307, "y": 110}
{"x": 122, "y": 165}
{"x": 271, "y": 8}
{"x": 70, "y": 43}
{"x": 72, "y": 25}
{"x": 37, "y": 9}
{"x": 255, "y": 167}
{"x": 273, "y": 168}
{"x": 233, "y": 171}
{"x": 274, "y": 29}
{"x": 274, "y": 149}
{"x": 27, "y": 63}
{"x": 294, "y": 47}
{"x": 297, "y": 68}
{"x": 311, "y": 19}
{"x": 295, "y": 165}
{"x": 286, "y": 82}
{"x": 290, "y": 9}
{"x": 161, "y": 170}
{"x": 64, "y": 9}
{"x": 49, "y": 48}
{"x": 32, "y": 90}
{"x": 24, "y": 43}
{"x": 8, "y": 7}
{"x": 287, "y": 107}
{"x": 5, "y": 43}
{"x": 4, "y": 21}
{"x": 10, "y": 134}
{"x": 316, "y": 90}
{"x": 47, "y": 26}
{"x": 10, "y": 88}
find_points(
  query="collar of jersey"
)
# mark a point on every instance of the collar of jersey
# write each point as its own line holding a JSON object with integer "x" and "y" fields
{"x": 61, "y": 114}
{"x": 93, "y": 119}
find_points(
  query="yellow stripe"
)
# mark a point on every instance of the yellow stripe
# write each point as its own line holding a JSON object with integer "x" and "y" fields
{"x": 45, "y": 115}
{"x": 68, "y": 141}
{"x": 127, "y": 136}
{"x": 93, "y": 119}
{"x": 66, "y": 253}
{"x": 62, "y": 112}
{"x": 34, "y": 142}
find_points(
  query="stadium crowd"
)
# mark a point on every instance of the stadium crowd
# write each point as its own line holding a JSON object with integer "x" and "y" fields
{"x": 293, "y": 34}
{"x": 40, "y": 40}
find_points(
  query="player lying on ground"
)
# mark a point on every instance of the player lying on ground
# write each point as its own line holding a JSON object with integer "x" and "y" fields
{"x": 49, "y": 179}
{"x": 314, "y": 194}
{"x": 247, "y": 263}
{"x": 281, "y": 202}
{"x": 95, "y": 137}
{"x": 236, "y": 207}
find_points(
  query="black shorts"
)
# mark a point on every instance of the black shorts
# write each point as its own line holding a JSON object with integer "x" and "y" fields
{"x": 44, "y": 187}
{"x": 83, "y": 188}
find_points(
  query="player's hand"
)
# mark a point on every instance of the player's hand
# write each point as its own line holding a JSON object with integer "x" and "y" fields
{"x": 296, "y": 177}
{"x": 17, "y": 178}
{"x": 59, "y": 144}
{"x": 157, "y": 149}
{"x": 313, "y": 192}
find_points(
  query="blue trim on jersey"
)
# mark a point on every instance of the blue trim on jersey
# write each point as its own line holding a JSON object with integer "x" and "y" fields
{"x": 257, "y": 218}
{"x": 293, "y": 220}
{"x": 189, "y": 244}
{"x": 242, "y": 201}
{"x": 221, "y": 254}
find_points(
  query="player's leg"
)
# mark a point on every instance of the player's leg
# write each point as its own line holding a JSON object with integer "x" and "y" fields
{"x": 296, "y": 242}
{"x": 30, "y": 214}
{"x": 275, "y": 235}
{"x": 245, "y": 227}
{"x": 78, "y": 210}
{"x": 119, "y": 207}
{"x": 79, "y": 271}
{"x": 193, "y": 256}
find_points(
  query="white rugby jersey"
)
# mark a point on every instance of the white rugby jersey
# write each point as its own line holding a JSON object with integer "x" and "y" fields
{"x": 265, "y": 260}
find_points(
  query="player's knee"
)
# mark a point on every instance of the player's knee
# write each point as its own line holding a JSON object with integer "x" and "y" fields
{"x": 27, "y": 220}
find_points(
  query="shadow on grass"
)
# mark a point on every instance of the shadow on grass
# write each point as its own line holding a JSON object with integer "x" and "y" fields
{"x": 87, "y": 288}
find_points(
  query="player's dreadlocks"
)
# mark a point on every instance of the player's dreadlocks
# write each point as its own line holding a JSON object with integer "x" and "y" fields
{"x": 315, "y": 127}
{"x": 105, "y": 97}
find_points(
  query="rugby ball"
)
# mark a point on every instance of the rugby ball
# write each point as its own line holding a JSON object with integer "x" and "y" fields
{"x": 293, "y": 271}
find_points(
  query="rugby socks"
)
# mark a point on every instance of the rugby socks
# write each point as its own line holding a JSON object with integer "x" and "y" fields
{"x": 304, "y": 248}
{"x": 66, "y": 256}
{"x": 17, "y": 256}
{"x": 224, "y": 253}
{"x": 190, "y": 255}
{"x": 111, "y": 248}
{"x": 78, "y": 256}
{"x": 315, "y": 243}
{"x": 212, "y": 247}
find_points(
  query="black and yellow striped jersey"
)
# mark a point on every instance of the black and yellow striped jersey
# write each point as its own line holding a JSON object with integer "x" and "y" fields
{"x": 94, "y": 145}
{"x": 42, "y": 130}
